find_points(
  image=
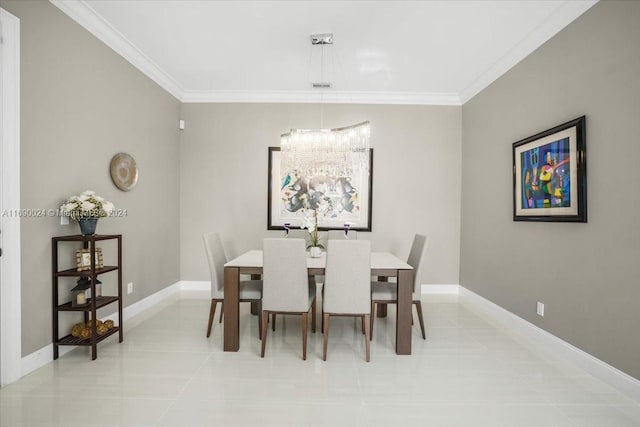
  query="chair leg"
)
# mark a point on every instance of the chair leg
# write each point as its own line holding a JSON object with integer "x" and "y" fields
{"x": 325, "y": 335}
{"x": 221, "y": 312}
{"x": 212, "y": 314}
{"x": 322, "y": 320}
{"x": 419, "y": 308}
{"x": 273, "y": 322}
{"x": 265, "y": 318}
{"x": 367, "y": 340}
{"x": 313, "y": 316}
{"x": 259, "y": 303}
{"x": 305, "y": 321}
{"x": 373, "y": 316}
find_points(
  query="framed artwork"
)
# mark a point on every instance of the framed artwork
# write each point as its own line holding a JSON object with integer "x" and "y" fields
{"x": 345, "y": 200}
{"x": 550, "y": 175}
{"x": 83, "y": 259}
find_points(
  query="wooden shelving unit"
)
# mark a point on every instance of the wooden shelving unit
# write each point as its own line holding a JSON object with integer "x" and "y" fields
{"x": 88, "y": 242}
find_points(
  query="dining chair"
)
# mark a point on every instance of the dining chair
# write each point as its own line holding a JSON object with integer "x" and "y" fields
{"x": 347, "y": 286}
{"x": 250, "y": 290}
{"x": 298, "y": 233}
{"x": 287, "y": 287}
{"x": 339, "y": 234}
{"x": 387, "y": 292}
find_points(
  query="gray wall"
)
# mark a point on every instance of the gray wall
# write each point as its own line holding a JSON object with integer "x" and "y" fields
{"x": 586, "y": 274}
{"x": 416, "y": 177}
{"x": 81, "y": 104}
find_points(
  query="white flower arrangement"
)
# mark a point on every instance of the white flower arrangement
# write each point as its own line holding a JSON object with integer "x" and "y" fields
{"x": 310, "y": 219}
{"x": 87, "y": 205}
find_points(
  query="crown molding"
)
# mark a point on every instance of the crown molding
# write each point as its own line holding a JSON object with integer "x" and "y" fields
{"x": 566, "y": 13}
{"x": 83, "y": 14}
{"x": 406, "y": 98}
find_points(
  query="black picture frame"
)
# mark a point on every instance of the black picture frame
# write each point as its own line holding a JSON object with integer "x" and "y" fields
{"x": 276, "y": 218}
{"x": 550, "y": 174}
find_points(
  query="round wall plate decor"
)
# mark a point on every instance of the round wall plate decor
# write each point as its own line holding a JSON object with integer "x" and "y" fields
{"x": 124, "y": 171}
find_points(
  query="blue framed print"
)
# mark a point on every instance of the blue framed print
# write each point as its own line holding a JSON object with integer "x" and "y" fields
{"x": 550, "y": 175}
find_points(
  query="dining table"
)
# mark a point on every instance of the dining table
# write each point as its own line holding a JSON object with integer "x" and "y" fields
{"x": 383, "y": 264}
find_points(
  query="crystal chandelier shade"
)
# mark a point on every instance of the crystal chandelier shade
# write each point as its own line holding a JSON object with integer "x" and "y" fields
{"x": 327, "y": 152}
{"x": 340, "y": 152}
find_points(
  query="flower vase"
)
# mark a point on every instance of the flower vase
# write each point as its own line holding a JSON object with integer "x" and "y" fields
{"x": 88, "y": 226}
{"x": 315, "y": 252}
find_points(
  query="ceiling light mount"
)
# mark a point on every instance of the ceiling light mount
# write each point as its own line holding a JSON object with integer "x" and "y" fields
{"x": 326, "y": 38}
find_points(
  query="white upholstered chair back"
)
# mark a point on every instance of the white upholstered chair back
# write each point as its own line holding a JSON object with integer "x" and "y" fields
{"x": 217, "y": 259}
{"x": 418, "y": 248}
{"x": 284, "y": 275}
{"x": 299, "y": 234}
{"x": 347, "y": 283}
{"x": 339, "y": 234}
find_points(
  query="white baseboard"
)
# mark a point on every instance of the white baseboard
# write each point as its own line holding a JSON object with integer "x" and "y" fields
{"x": 624, "y": 383}
{"x": 439, "y": 289}
{"x": 144, "y": 304}
{"x": 195, "y": 285}
{"x": 41, "y": 357}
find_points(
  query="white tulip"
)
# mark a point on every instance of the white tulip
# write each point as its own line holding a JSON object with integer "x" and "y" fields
{"x": 88, "y": 193}
{"x": 87, "y": 206}
{"x": 83, "y": 198}
{"x": 107, "y": 207}
{"x": 98, "y": 198}
{"x": 69, "y": 206}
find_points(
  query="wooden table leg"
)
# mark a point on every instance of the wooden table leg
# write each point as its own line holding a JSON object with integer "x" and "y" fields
{"x": 403, "y": 312}
{"x": 255, "y": 306}
{"x": 231, "y": 306}
{"x": 381, "y": 311}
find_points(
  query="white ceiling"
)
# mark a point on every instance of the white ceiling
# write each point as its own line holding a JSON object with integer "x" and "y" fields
{"x": 431, "y": 52}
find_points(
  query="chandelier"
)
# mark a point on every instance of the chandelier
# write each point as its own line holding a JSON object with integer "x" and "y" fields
{"x": 340, "y": 152}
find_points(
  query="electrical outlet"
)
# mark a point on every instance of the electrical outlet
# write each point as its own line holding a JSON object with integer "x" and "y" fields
{"x": 130, "y": 287}
{"x": 540, "y": 309}
{"x": 64, "y": 220}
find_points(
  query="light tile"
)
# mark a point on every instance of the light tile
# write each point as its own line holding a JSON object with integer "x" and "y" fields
{"x": 167, "y": 373}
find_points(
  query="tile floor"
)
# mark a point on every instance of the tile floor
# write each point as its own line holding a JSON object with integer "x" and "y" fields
{"x": 166, "y": 373}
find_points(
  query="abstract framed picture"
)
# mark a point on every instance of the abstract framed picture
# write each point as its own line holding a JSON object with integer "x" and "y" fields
{"x": 345, "y": 200}
{"x": 550, "y": 175}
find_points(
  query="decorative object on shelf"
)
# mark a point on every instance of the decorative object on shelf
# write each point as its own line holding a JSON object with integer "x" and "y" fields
{"x": 326, "y": 152}
{"x": 81, "y": 293}
{"x": 310, "y": 222}
{"x": 346, "y": 230}
{"x": 83, "y": 259}
{"x": 84, "y": 331}
{"x": 124, "y": 171}
{"x": 349, "y": 198}
{"x": 549, "y": 175}
{"x": 287, "y": 227}
{"x": 76, "y": 330}
{"x": 87, "y": 208}
{"x": 88, "y": 226}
